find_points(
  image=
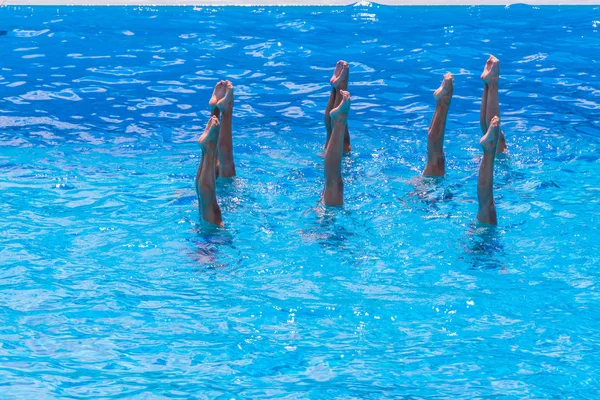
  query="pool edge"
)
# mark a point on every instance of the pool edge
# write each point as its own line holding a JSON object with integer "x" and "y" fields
{"x": 292, "y": 3}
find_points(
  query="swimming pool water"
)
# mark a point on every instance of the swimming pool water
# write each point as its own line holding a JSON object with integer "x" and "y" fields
{"x": 111, "y": 289}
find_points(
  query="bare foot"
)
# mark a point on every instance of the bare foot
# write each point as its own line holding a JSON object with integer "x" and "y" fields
{"x": 337, "y": 71}
{"x": 489, "y": 141}
{"x": 341, "y": 112}
{"x": 340, "y": 80}
{"x": 218, "y": 94}
{"x": 211, "y": 134}
{"x": 444, "y": 93}
{"x": 491, "y": 70}
{"x": 226, "y": 103}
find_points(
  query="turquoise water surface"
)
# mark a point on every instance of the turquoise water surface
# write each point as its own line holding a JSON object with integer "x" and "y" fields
{"x": 110, "y": 287}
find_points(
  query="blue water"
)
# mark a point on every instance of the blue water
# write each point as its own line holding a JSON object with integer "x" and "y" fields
{"x": 110, "y": 288}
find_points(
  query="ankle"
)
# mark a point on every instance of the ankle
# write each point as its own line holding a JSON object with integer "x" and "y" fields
{"x": 227, "y": 112}
{"x": 209, "y": 149}
{"x": 492, "y": 83}
{"x": 339, "y": 119}
{"x": 443, "y": 102}
{"x": 489, "y": 155}
{"x": 342, "y": 86}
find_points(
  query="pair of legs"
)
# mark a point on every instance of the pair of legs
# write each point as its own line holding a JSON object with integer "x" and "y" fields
{"x": 221, "y": 103}
{"x": 490, "y": 106}
{"x": 339, "y": 82}
{"x": 436, "y": 161}
{"x": 217, "y": 152}
{"x": 333, "y": 194}
{"x": 338, "y": 136}
{"x": 207, "y": 173}
{"x": 492, "y": 143}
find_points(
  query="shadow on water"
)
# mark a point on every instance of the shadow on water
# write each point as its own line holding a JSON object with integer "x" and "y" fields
{"x": 483, "y": 247}
{"x": 335, "y": 232}
{"x": 430, "y": 193}
{"x": 208, "y": 242}
{"x": 431, "y": 189}
{"x": 328, "y": 230}
{"x": 507, "y": 170}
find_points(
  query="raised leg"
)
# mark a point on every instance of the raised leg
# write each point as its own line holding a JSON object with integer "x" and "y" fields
{"x": 197, "y": 182}
{"x": 225, "y": 143}
{"x": 339, "y": 81}
{"x": 485, "y": 182}
{"x": 490, "y": 77}
{"x": 435, "y": 137}
{"x": 331, "y": 102}
{"x": 205, "y": 176}
{"x": 347, "y": 146}
{"x": 218, "y": 94}
{"x": 328, "y": 124}
{"x": 482, "y": 120}
{"x": 333, "y": 195}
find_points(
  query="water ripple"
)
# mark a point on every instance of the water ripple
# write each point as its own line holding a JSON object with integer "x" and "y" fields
{"x": 112, "y": 288}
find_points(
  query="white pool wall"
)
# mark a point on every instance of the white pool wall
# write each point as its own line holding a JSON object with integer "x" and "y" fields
{"x": 296, "y": 2}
